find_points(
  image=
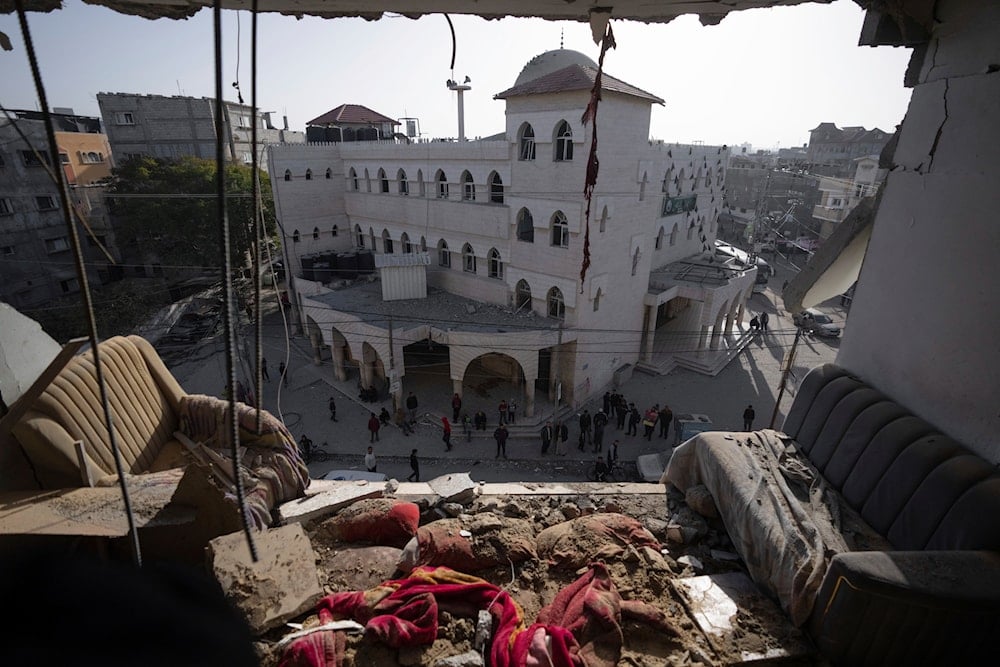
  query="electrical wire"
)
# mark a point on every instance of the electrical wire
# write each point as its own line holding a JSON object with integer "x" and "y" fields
{"x": 82, "y": 278}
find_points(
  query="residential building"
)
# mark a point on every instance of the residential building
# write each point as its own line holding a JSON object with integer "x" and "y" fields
{"x": 36, "y": 262}
{"x": 351, "y": 122}
{"x": 168, "y": 127}
{"x": 832, "y": 150}
{"x": 759, "y": 191}
{"x": 498, "y": 229}
{"x": 839, "y": 196}
{"x": 84, "y": 149}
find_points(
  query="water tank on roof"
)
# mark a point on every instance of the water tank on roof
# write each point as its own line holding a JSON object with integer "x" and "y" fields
{"x": 307, "y": 267}
{"x": 316, "y": 134}
{"x": 321, "y": 272}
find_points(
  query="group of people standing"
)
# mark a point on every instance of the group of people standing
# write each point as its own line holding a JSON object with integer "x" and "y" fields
{"x": 759, "y": 323}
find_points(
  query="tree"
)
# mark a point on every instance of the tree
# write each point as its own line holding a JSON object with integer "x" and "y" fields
{"x": 166, "y": 212}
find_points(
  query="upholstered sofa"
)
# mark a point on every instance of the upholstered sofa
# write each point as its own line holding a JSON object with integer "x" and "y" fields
{"x": 875, "y": 532}
{"x": 144, "y": 399}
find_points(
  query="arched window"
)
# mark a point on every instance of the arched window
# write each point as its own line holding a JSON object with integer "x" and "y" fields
{"x": 404, "y": 185}
{"x": 642, "y": 187}
{"x": 525, "y": 226}
{"x": 468, "y": 187}
{"x": 659, "y": 239}
{"x": 309, "y": 174}
{"x": 597, "y": 300}
{"x": 563, "y": 142}
{"x": 522, "y": 295}
{"x": 555, "y": 306}
{"x": 404, "y": 241}
{"x": 421, "y": 188}
{"x": 371, "y": 235}
{"x": 288, "y": 174}
{"x": 468, "y": 259}
{"x": 496, "y": 188}
{"x": 495, "y": 264}
{"x": 560, "y": 230}
{"x": 315, "y": 233}
{"x": 673, "y": 235}
{"x": 386, "y": 242}
{"x": 333, "y": 230}
{"x": 708, "y": 179}
{"x": 295, "y": 236}
{"x": 383, "y": 181}
{"x": 360, "y": 236}
{"x": 679, "y": 181}
{"x": 526, "y": 142}
{"x": 604, "y": 219}
{"x": 442, "y": 185}
{"x": 668, "y": 177}
{"x": 444, "y": 257}
{"x": 368, "y": 180}
{"x": 354, "y": 180}
{"x": 329, "y": 173}
{"x": 635, "y": 261}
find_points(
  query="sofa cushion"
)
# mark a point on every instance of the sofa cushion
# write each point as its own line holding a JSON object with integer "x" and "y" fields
{"x": 841, "y": 418}
{"x": 879, "y": 454}
{"x": 973, "y": 522}
{"x": 811, "y": 385}
{"x": 822, "y": 407}
{"x": 855, "y": 440}
{"x": 901, "y": 480}
{"x": 933, "y": 499}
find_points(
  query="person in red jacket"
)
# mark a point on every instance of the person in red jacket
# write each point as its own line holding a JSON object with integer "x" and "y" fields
{"x": 446, "y": 425}
{"x": 373, "y": 427}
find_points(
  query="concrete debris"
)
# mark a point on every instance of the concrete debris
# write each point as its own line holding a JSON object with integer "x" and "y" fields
{"x": 454, "y": 488}
{"x": 361, "y": 568}
{"x": 452, "y": 509}
{"x": 675, "y": 533}
{"x": 700, "y": 500}
{"x": 691, "y": 562}
{"x": 656, "y": 526}
{"x": 467, "y": 659}
{"x": 325, "y": 503}
{"x": 570, "y": 511}
{"x": 470, "y": 309}
{"x": 612, "y": 507}
{"x": 281, "y": 585}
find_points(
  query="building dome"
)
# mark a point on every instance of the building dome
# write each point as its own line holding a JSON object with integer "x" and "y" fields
{"x": 552, "y": 61}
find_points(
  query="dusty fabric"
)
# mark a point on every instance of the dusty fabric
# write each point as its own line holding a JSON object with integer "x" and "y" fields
{"x": 381, "y": 521}
{"x": 324, "y": 648}
{"x": 494, "y": 540}
{"x": 272, "y": 468}
{"x": 573, "y": 544}
{"x": 782, "y": 516}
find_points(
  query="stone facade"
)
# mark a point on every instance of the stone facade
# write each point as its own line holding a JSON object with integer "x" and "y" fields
{"x": 510, "y": 232}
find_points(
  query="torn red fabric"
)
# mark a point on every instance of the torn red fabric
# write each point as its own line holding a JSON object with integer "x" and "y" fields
{"x": 593, "y": 164}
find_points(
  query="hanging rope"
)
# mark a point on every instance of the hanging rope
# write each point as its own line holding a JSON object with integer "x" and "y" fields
{"x": 227, "y": 273}
{"x": 81, "y": 274}
{"x": 590, "y": 115}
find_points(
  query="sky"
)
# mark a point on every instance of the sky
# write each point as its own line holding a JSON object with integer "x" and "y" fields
{"x": 763, "y": 76}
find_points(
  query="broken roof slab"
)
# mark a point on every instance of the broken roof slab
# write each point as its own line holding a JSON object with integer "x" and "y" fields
{"x": 709, "y": 12}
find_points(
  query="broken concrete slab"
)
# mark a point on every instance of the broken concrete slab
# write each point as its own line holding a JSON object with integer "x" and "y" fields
{"x": 719, "y": 603}
{"x": 455, "y": 487}
{"x": 282, "y": 584}
{"x": 360, "y": 568}
{"x": 328, "y": 501}
{"x": 467, "y": 659}
{"x": 700, "y": 499}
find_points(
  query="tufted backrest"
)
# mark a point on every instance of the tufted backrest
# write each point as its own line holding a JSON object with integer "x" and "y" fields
{"x": 915, "y": 486}
{"x": 144, "y": 399}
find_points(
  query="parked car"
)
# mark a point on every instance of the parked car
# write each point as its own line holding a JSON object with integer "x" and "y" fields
{"x": 817, "y": 323}
{"x": 651, "y": 466}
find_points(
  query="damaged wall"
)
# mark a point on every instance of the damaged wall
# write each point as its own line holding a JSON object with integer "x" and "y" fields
{"x": 924, "y": 322}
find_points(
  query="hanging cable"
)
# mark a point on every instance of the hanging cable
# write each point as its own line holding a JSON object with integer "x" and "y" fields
{"x": 81, "y": 273}
{"x": 258, "y": 223}
{"x": 227, "y": 274}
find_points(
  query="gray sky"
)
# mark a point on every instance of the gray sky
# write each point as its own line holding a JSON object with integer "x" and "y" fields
{"x": 762, "y": 76}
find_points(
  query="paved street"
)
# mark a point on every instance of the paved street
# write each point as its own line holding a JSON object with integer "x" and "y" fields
{"x": 751, "y": 378}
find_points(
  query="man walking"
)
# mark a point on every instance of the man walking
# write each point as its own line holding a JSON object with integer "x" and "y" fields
{"x": 411, "y": 405}
{"x": 666, "y": 417}
{"x": 763, "y": 322}
{"x": 263, "y": 370}
{"x": 446, "y": 426}
{"x": 333, "y": 409}
{"x": 456, "y": 407}
{"x": 546, "y": 437}
{"x": 306, "y": 446}
{"x": 500, "y": 435}
{"x": 415, "y": 467}
{"x": 502, "y": 409}
{"x": 370, "y": 463}
{"x": 748, "y": 417}
{"x": 600, "y": 421}
{"x": 633, "y": 420}
{"x": 585, "y": 424}
{"x": 561, "y": 435}
{"x": 373, "y": 427}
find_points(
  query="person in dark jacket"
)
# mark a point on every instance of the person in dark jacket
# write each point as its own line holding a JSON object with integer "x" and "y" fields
{"x": 500, "y": 435}
{"x": 546, "y": 437}
{"x": 666, "y": 417}
{"x": 585, "y": 424}
{"x": 633, "y": 421}
{"x": 748, "y": 417}
{"x": 456, "y": 407}
{"x": 415, "y": 467}
{"x": 373, "y": 427}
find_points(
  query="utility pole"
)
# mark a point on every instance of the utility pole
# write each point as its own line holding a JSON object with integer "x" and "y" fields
{"x": 784, "y": 376}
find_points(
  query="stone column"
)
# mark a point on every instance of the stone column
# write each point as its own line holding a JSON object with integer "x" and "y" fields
{"x": 339, "y": 371}
{"x": 317, "y": 346}
{"x": 529, "y": 397}
{"x": 729, "y": 323}
{"x": 649, "y": 335}
{"x": 367, "y": 370}
{"x": 553, "y": 373}
{"x": 701, "y": 339}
